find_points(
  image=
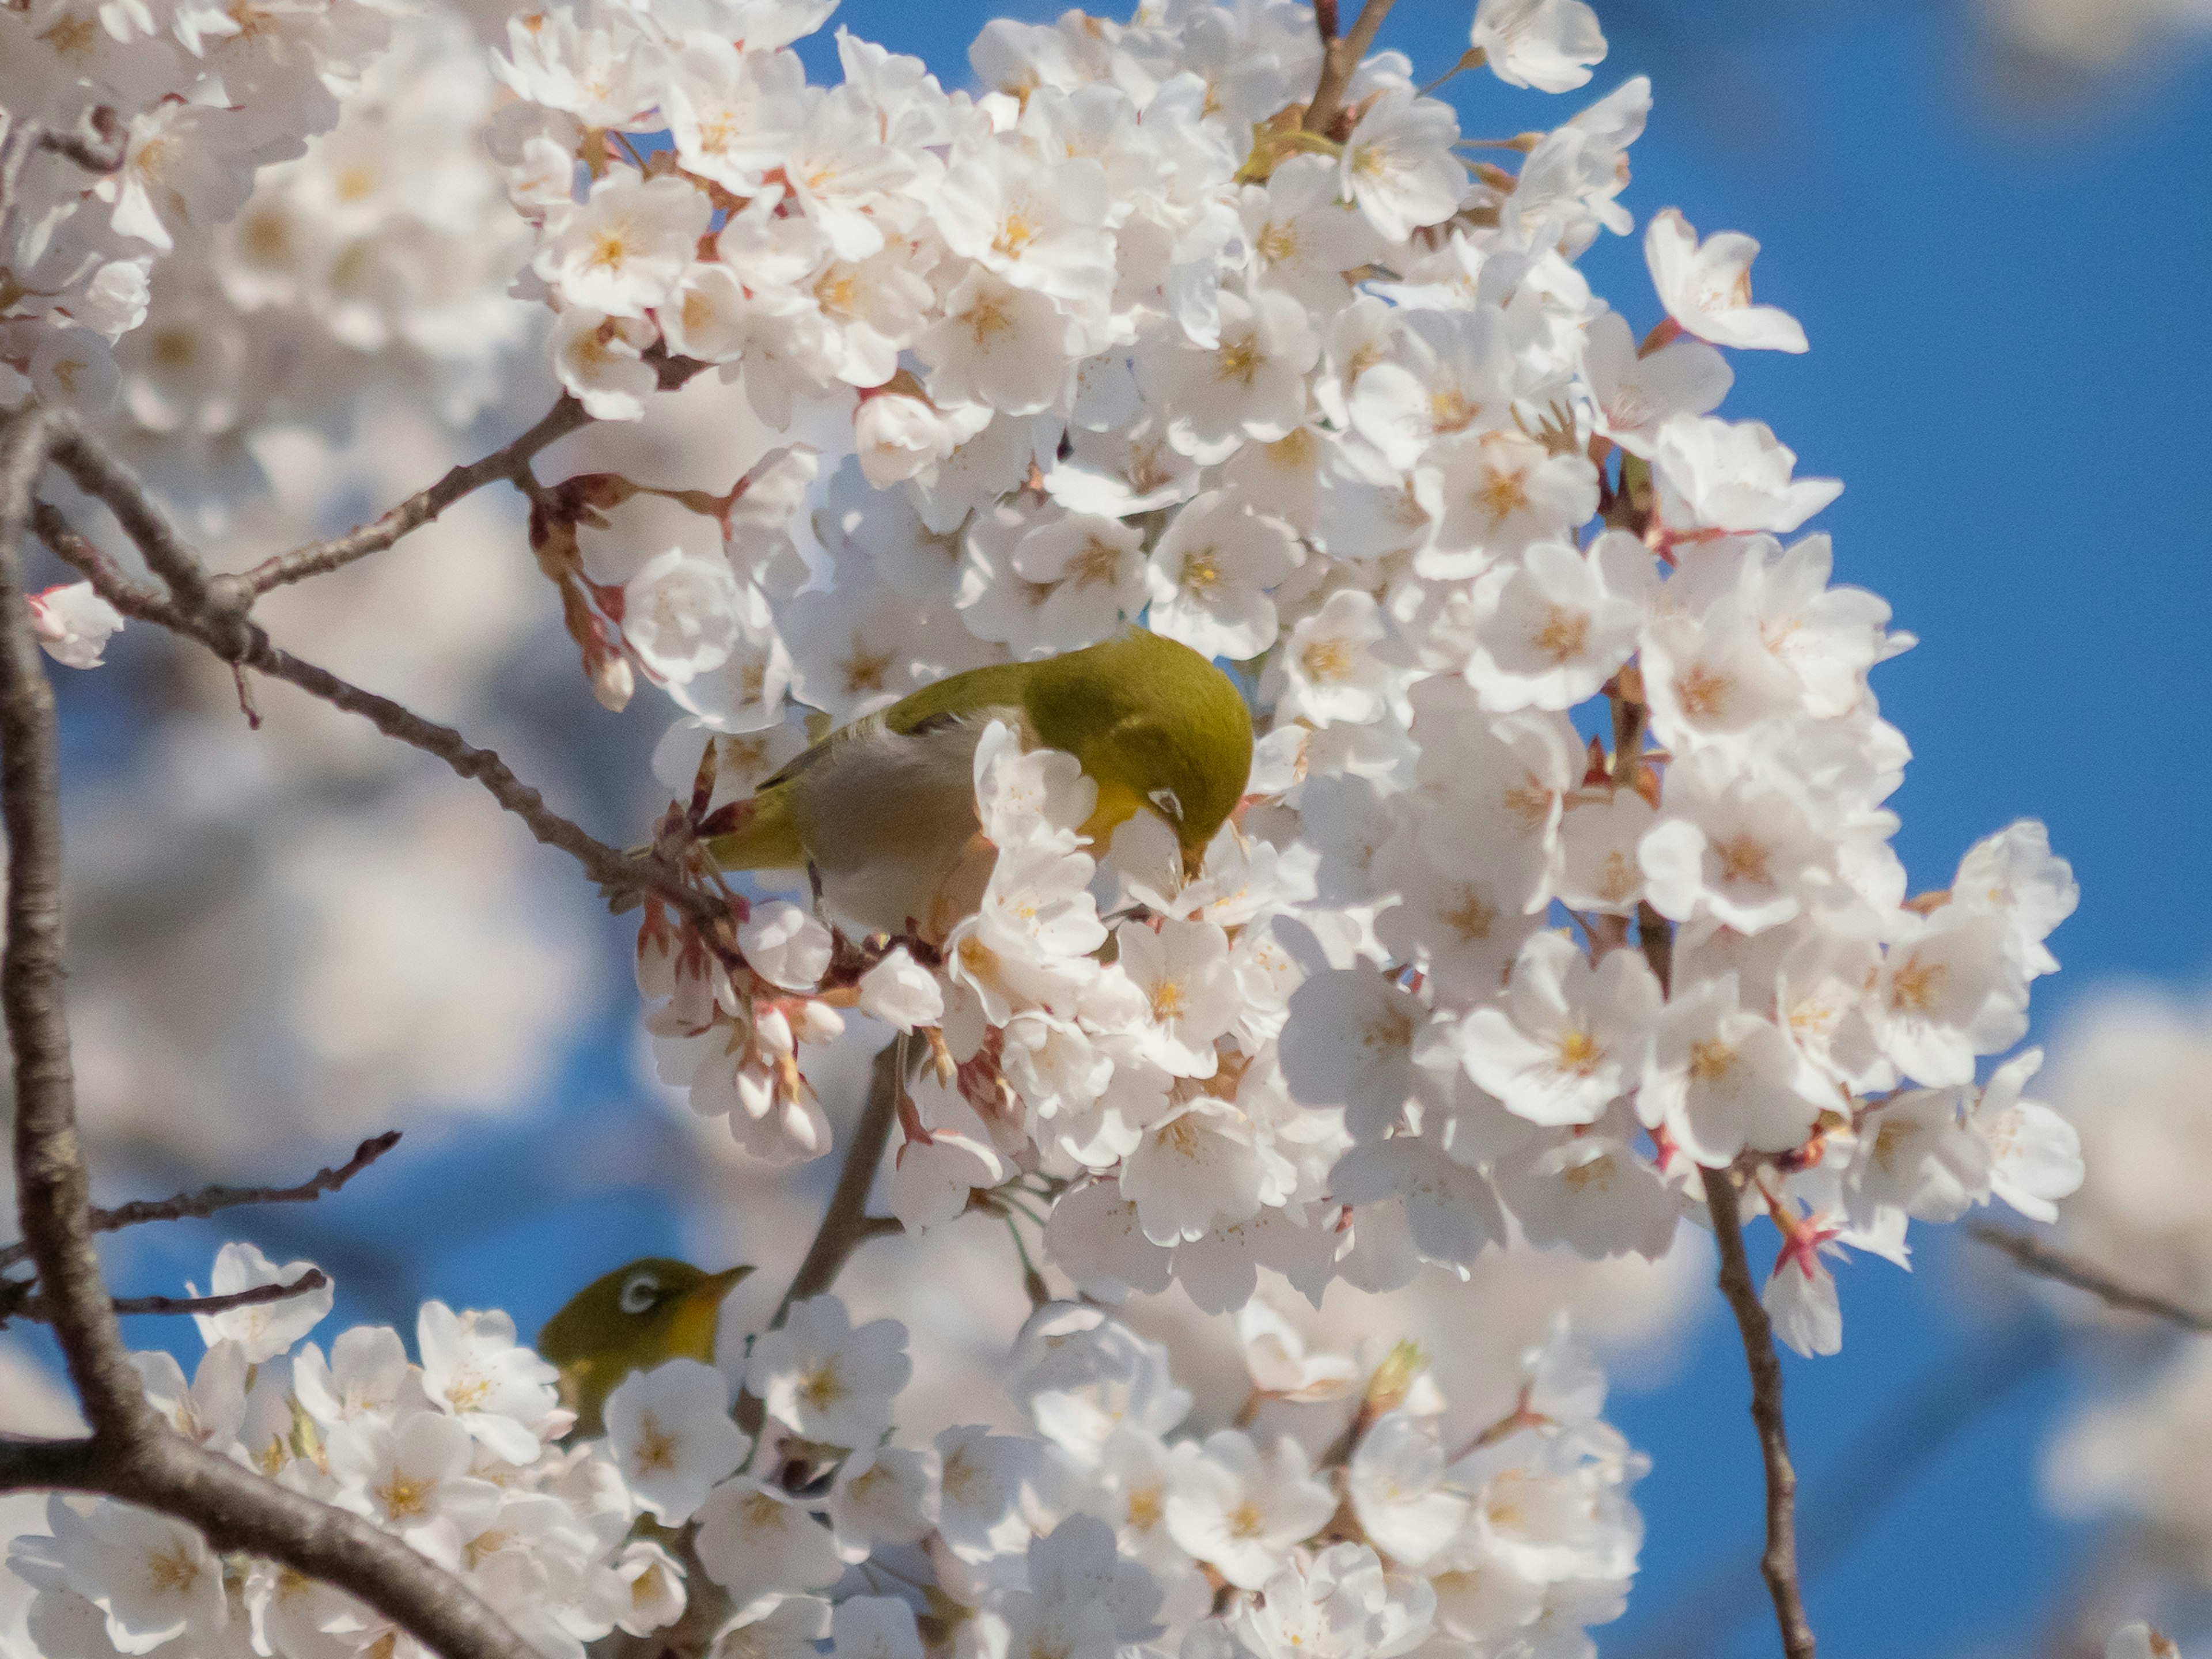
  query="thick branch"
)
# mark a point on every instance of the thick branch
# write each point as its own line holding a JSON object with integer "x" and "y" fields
{"x": 237, "y": 1510}
{"x": 2050, "y": 1263}
{"x": 845, "y": 1224}
{"x": 510, "y": 462}
{"x": 1341, "y": 58}
{"x": 52, "y": 1192}
{"x": 208, "y": 1199}
{"x": 131, "y": 1455}
{"x": 1778, "y": 1562}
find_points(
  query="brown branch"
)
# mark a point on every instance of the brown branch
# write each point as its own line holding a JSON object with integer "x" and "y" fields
{"x": 239, "y": 641}
{"x": 1779, "y": 1562}
{"x": 52, "y": 1193}
{"x": 845, "y": 1224}
{"x": 510, "y": 462}
{"x": 208, "y": 1199}
{"x": 313, "y": 1279}
{"x": 216, "y": 603}
{"x": 131, "y": 1455}
{"x": 1340, "y": 60}
{"x": 2048, "y": 1262}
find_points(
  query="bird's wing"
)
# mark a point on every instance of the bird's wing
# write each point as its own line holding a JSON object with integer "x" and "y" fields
{"x": 999, "y": 686}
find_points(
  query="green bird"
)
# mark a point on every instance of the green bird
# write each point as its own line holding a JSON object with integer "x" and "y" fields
{"x": 648, "y": 1311}
{"x": 883, "y": 811}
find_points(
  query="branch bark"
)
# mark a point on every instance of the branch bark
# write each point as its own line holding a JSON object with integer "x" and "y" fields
{"x": 510, "y": 462}
{"x": 131, "y": 1454}
{"x": 245, "y": 644}
{"x": 1340, "y": 60}
{"x": 313, "y": 1279}
{"x": 845, "y": 1224}
{"x": 53, "y": 1194}
{"x": 210, "y": 1199}
{"x": 1779, "y": 1562}
{"x": 2048, "y": 1262}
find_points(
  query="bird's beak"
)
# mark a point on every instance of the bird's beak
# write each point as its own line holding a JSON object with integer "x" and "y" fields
{"x": 1194, "y": 861}
{"x": 719, "y": 1285}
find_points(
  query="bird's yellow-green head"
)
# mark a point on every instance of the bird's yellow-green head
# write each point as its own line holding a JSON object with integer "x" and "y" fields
{"x": 644, "y": 1313}
{"x": 1156, "y": 726}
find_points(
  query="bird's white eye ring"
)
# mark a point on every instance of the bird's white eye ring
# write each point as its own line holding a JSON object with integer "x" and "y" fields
{"x": 1170, "y": 806}
{"x": 640, "y": 1293}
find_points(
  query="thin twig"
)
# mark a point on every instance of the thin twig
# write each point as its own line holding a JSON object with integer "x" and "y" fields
{"x": 1779, "y": 1562}
{"x": 208, "y": 1199}
{"x": 2050, "y": 1262}
{"x": 845, "y": 1224}
{"x": 313, "y": 1279}
{"x": 1855, "y": 1488}
{"x": 131, "y": 1455}
{"x": 250, "y": 647}
{"x": 510, "y": 462}
{"x": 1340, "y": 60}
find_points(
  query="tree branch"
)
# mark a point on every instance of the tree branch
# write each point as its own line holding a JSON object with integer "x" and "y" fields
{"x": 1778, "y": 1562}
{"x": 216, "y": 603}
{"x": 314, "y": 1278}
{"x": 845, "y": 1224}
{"x": 2048, "y": 1262}
{"x": 52, "y": 1193}
{"x": 1340, "y": 60}
{"x": 131, "y": 1455}
{"x": 210, "y": 1199}
{"x": 510, "y": 462}
{"x": 244, "y": 644}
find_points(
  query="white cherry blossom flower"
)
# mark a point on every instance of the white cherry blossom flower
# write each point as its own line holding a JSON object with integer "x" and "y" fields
{"x": 762, "y": 1546}
{"x": 1211, "y": 573}
{"x": 1722, "y": 1078}
{"x": 1571, "y": 1040}
{"x": 1241, "y": 1510}
{"x": 1398, "y": 165}
{"x": 1731, "y": 476}
{"x": 501, "y": 1392}
{"x": 1633, "y": 393}
{"x": 671, "y": 1433}
{"x": 1549, "y": 44}
{"x": 264, "y": 1329}
{"x": 1561, "y": 622}
{"x": 622, "y": 250}
{"x": 1706, "y": 286}
{"x": 785, "y": 945}
{"x": 826, "y": 1380}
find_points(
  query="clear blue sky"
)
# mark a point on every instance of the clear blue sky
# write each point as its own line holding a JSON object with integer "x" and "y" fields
{"x": 2011, "y": 350}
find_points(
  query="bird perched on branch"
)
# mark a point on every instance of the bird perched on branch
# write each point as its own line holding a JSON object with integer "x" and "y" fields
{"x": 642, "y": 1315}
{"x": 883, "y": 811}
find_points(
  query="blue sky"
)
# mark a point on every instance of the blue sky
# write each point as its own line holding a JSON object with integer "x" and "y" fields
{"x": 2010, "y": 352}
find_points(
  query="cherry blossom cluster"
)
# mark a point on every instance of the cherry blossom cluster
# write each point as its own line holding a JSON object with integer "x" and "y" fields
{"x": 375, "y": 264}
{"x": 188, "y": 99}
{"x": 1354, "y": 1532}
{"x": 1565, "y": 874}
{"x": 456, "y": 1453}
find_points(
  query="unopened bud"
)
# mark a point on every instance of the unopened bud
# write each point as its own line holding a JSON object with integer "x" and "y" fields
{"x": 1393, "y": 1376}
{"x": 613, "y": 683}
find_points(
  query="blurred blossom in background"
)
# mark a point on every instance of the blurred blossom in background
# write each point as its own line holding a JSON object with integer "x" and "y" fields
{"x": 1993, "y": 220}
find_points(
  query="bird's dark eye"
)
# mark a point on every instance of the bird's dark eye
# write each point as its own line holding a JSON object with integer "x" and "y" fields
{"x": 641, "y": 1292}
{"x": 1169, "y": 805}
